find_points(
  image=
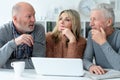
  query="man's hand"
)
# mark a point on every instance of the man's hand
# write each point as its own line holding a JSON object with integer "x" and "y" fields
{"x": 24, "y": 39}
{"x": 99, "y": 36}
{"x": 97, "y": 70}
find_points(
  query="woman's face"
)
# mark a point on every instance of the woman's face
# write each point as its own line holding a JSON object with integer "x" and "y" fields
{"x": 64, "y": 22}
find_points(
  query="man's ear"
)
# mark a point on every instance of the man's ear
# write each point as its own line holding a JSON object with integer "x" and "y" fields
{"x": 14, "y": 18}
{"x": 109, "y": 22}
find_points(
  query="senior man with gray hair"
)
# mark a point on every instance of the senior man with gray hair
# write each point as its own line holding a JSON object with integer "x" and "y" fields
{"x": 22, "y": 38}
{"x": 103, "y": 42}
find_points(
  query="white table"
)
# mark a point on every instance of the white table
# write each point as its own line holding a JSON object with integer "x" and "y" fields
{"x": 30, "y": 74}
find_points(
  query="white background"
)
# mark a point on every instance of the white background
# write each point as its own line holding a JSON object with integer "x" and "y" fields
{"x": 45, "y": 9}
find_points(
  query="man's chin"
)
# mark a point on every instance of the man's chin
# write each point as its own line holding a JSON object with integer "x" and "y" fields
{"x": 30, "y": 31}
{"x": 94, "y": 29}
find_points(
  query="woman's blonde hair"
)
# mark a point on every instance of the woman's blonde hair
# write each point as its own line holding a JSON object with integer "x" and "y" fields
{"x": 76, "y": 26}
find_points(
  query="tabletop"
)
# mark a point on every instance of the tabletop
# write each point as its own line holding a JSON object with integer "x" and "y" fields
{"x": 30, "y": 74}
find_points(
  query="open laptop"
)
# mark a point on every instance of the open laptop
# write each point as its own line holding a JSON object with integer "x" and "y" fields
{"x": 58, "y": 66}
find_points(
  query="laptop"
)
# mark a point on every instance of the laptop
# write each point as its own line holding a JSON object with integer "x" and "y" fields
{"x": 58, "y": 66}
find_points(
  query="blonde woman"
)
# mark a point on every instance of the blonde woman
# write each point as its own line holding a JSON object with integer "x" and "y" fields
{"x": 65, "y": 40}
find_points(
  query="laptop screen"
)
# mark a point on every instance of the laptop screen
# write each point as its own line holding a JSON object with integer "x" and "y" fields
{"x": 58, "y": 66}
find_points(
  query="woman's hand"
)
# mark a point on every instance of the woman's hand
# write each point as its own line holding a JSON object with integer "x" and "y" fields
{"x": 67, "y": 32}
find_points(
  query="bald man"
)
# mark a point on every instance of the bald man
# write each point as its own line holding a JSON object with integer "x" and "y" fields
{"x": 21, "y": 38}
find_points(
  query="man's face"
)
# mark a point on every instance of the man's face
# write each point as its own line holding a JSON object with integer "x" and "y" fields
{"x": 97, "y": 20}
{"x": 25, "y": 20}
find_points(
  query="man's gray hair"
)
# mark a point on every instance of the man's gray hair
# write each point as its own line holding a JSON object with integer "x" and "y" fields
{"x": 15, "y": 10}
{"x": 107, "y": 10}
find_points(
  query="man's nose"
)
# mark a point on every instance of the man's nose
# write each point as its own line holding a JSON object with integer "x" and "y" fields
{"x": 33, "y": 18}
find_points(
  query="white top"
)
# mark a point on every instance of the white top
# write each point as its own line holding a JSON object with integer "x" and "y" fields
{"x": 58, "y": 66}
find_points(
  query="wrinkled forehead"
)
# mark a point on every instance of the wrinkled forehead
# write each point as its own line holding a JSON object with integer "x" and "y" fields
{"x": 97, "y": 13}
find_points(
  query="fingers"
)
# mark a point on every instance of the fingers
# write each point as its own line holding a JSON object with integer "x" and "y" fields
{"x": 64, "y": 31}
{"x": 102, "y": 36}
{"x": 69, "y": 35}
{"x": 97, "y": 70}
{"x": 24, "y": 39}
{"x": 94, "y": 31}
{"x": 28, "y": 40}
{"x": 102, "y": 31}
